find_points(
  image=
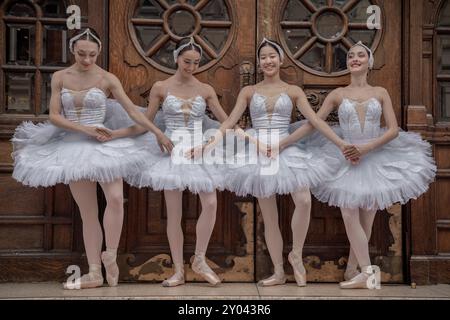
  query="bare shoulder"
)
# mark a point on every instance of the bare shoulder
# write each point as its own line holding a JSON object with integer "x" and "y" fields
{"x": 111, "y": 77}
{"x": 248, "y": 91}
{"x": 337, "y": 94}
{"x": 158, "y": 89}
{"x": 111, "y": 80}
{"x": 159, "y": 85}
{"x": 295, "y": 91}
{"x": 207, "y": 90}
{"x": 381, "y": 94}
{"x": 381, "y": 91}
{"x": 57, "y": 77}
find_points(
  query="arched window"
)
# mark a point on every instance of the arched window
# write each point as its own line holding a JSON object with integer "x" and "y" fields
{"x": 317, "y": 34}
{"x": 443, "y": 63}
{"x": 158, "y": 25}
{"x": 33, "y": 37}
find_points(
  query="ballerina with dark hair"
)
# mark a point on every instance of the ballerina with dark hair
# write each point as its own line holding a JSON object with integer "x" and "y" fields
{"x": 388, "y": 165}
{"x": 281, "y": 165}
{"x": 182, "y": 99}
{"x": 71, "y": 150}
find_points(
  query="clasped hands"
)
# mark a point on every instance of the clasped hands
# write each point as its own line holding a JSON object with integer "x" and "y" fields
{"x": 105, "y": 134}
{"x": 352, "y": 153}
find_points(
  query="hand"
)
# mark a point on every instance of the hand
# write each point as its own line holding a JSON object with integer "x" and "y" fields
{"x": 264, "y": 149}
{"x": 199, "y": 150}
{"x": 96, "y": 131}
{"x": 355, "y": 161}
{"x": 350, "y": 152}
{"x": 164, "y": 143}
{"x": 105, "y": 135}
{"x": 357, "y": 151}
{"x": 275, "y": 150}
{"x": 364, "y": 149}
{"x": 195, "y": 152}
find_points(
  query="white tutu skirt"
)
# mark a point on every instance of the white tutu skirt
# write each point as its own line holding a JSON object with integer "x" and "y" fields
{"x": 396, "y": 172}
{"x": 168, "y": 172}
{"x": 45, "y": 155}
{"x": 175, "y": 171}
{"x": 296, "y": 167}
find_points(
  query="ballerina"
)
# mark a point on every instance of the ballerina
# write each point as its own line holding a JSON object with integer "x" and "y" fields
{"x": 183, "y": 101}
{"x": 387, "y": 166}
{"x": 281, "y": 165}
{"x": 69, "y": 150}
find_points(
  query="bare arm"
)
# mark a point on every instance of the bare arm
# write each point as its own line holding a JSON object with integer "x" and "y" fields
{"x": 239, "y": 108}
{"x": 327, "y": 107}
{"x": 213, "y": 103}
{"x": 314, "y": 119}
{"x": 241, "y": 104}
{"x": 132, "y": 110}
{"x": 55, "y": 116}
{"x": 233, "y": 118}
{"x": 140, "y": 118}
{"x": 154, "y": 101}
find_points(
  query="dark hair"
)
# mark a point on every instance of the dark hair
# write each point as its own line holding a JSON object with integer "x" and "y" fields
{"x": 85, "y": 37}
{"x": 191, "y": 47}
{"x": 268, "y": 44}
{"x": 359, "y": 45}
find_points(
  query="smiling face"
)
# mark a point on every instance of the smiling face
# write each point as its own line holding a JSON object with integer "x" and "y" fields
{"x": 188, "y": 61}
{"x": 86, "y": 53}
{"x": 358, "y": 60}
{"x": 269, "y": 60}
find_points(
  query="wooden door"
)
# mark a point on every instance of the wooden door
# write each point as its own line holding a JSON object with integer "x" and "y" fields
{"x": 40, "y": 228}
{"x": 427, "y": 97}
{"x": 316, "y": 35}
{"x": 143, "y": 35}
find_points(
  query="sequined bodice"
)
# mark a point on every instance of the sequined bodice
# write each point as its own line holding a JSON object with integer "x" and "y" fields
{"x": 271, "y": 112}
{"x": 360, "y": 121}
{"x": 183, "y": 114}
{"x": 87, "y": 107}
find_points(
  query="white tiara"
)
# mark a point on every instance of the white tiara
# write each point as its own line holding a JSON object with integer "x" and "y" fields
{"x": 88, "y": 34}
{"x": 192, "y": 43}
{"x": 371, "y": 59}
{"x": 278, "y": 48}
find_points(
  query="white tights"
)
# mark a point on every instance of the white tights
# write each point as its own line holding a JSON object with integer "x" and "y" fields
{"x": 204, "y": 228}
{"x": 358, "y": 225}
{"x": 299, "y": 225}
{"x": 85, "y": 195}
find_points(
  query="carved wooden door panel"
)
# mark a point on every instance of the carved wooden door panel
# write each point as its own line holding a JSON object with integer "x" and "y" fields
{"x": 143, "y": 35}
{"x": 316, "y": 35}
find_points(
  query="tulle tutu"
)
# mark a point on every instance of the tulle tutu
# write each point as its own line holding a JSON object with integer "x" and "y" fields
{"x": 396, "y": 172}
{"x": 168, "y": 174}
{"x": 296, "y": 167}
{"x": 175, "y": 171}
{"x": 45, "y": 155}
